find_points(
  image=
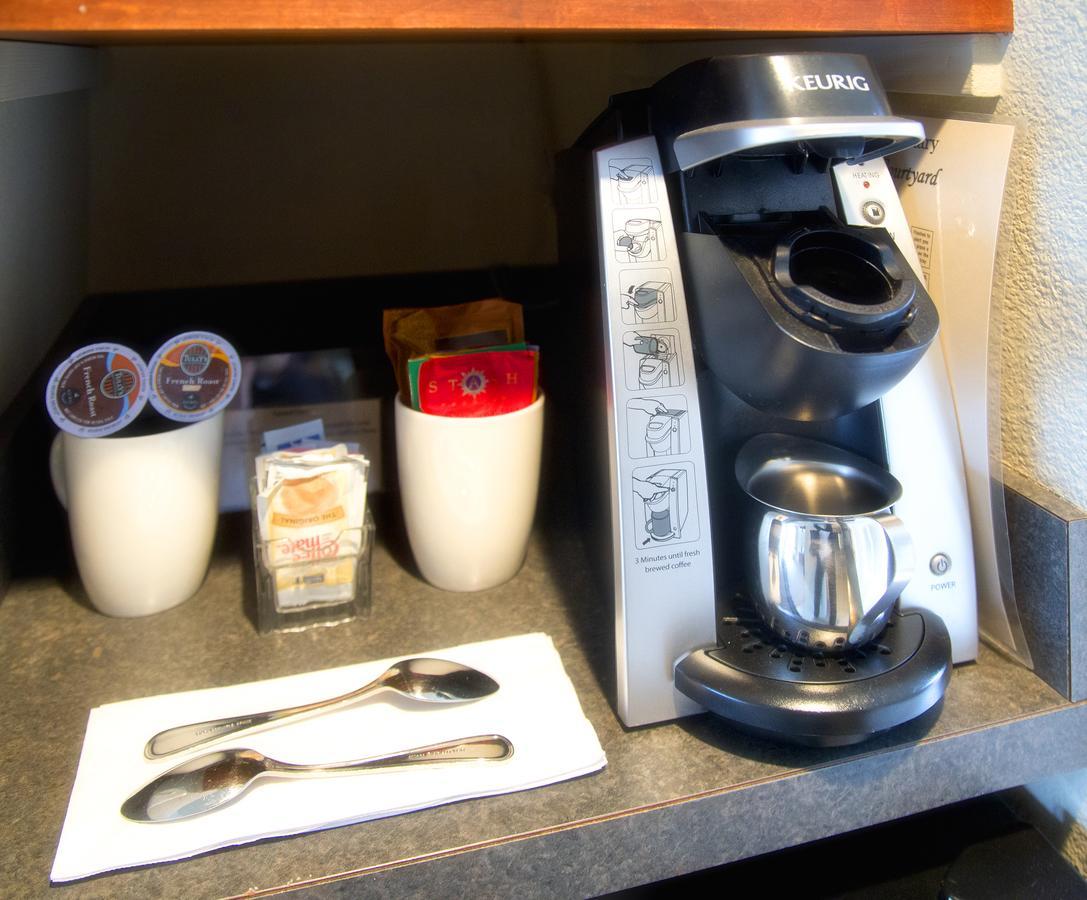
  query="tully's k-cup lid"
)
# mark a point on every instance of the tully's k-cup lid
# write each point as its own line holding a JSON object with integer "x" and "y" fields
{"x": 97, "y": 390}
{"x": 193, "y": 376}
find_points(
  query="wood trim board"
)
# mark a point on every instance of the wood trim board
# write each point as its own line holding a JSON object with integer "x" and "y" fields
{"x": 121, "y": 21}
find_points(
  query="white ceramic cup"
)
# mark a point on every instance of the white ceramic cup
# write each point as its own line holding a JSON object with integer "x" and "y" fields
{"x": 468, "y": 488}
{"x": 142, "y": 513}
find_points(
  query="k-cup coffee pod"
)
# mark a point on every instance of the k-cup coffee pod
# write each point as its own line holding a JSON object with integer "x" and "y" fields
{"x": 97, "y": 390}
{"x": 193, "y": 376}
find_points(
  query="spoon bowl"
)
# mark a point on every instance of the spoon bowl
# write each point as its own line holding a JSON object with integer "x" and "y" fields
{"x": 438, "y": 681}
{"x": 219, "y": 778}
{"x": 197, "y": 786}
{"x": 425, "y": 679}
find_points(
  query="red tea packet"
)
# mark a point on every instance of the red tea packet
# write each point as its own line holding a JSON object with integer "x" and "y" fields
{"x": 480, "y": 383}
{"x": 411, "y": 333}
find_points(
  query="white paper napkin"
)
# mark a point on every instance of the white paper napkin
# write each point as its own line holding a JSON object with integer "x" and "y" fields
{"x": 535, "y": 707}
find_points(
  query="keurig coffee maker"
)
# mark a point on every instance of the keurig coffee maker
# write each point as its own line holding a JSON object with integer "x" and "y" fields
{"x": 796, "y": 557}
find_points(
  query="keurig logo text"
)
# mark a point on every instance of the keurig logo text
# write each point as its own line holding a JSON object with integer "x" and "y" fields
{"x": 830, "y": 83}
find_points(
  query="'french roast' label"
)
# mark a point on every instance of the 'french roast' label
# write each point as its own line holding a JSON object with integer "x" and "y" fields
{"x": 193, "y": 376}
{"x": 97, "y": 390}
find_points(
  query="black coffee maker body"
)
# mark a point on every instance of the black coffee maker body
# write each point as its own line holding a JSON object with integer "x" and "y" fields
{"x": 792, "y": 326}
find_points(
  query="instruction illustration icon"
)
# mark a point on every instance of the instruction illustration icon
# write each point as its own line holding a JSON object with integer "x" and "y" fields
{"x": 657, "y": 426}
{"x": 651, "y": 359}
{"x": 664, "y": 508}
{"x": 647, "y": 296}
{"x": 632, "y": 181}
{"x": 638, "y": 238}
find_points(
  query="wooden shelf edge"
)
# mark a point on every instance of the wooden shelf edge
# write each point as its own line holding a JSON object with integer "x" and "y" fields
{"x": 131, "y": 21}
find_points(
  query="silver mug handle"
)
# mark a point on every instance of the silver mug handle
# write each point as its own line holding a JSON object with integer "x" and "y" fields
{"x": 902, "y": 564}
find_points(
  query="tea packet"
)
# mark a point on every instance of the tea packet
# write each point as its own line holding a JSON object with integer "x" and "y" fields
{"x": 411, "y": 333}
{"x": 475, "y": 383}
{"x": 310, "y": 507}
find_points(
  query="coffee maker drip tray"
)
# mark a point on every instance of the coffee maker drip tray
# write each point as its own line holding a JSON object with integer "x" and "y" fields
{"x": 803, "y": 695}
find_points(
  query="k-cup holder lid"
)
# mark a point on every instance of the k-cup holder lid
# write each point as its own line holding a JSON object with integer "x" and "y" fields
{"x": 840, "y": 281}
{"x": 97, "y": 390}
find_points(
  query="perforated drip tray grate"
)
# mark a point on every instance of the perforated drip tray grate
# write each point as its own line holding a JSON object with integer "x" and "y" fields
{"x": 763, "y": 684}
{"x": 748, "y": 645}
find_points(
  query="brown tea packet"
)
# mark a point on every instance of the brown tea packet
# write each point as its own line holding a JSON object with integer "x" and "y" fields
{"x": 410, "y": 333}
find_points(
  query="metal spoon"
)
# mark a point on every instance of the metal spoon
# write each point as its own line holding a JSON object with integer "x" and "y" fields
{"x": 422, "y": 678}
{"x": 221, "y": 777}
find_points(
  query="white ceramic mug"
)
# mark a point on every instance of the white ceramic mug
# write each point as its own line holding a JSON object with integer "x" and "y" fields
{"x": 468, "y": 488}
{"x": 142, "y": 513}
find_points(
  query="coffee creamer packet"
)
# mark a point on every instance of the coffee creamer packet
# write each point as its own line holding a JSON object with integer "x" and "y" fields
{"x": 310, "y": 508}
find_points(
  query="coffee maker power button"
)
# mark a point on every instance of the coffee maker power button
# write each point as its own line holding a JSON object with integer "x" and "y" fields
{"x": 939, "y": 564}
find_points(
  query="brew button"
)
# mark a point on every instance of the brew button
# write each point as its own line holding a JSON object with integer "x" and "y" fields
{"x": 939, "y": 564}
{"x": 873, "y": 211}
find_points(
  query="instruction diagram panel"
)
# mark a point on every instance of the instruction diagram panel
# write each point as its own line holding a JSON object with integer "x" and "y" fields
{"x": 660, "y": 523}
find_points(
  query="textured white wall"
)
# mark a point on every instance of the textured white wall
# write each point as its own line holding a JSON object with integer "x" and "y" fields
{"x": 1044, "y": 352}
{"x": 1045, "y": 314}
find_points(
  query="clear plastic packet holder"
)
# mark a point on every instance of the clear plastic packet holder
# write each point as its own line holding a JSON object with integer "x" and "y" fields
{"x": 305, "y": 584}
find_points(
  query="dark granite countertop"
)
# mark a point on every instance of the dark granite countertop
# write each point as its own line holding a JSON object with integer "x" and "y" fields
{"x": 674, "y": 798}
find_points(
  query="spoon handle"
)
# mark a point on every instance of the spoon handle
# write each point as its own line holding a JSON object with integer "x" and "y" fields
{"x": 483, "y": 746}
{"x": 185, "y": 737}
